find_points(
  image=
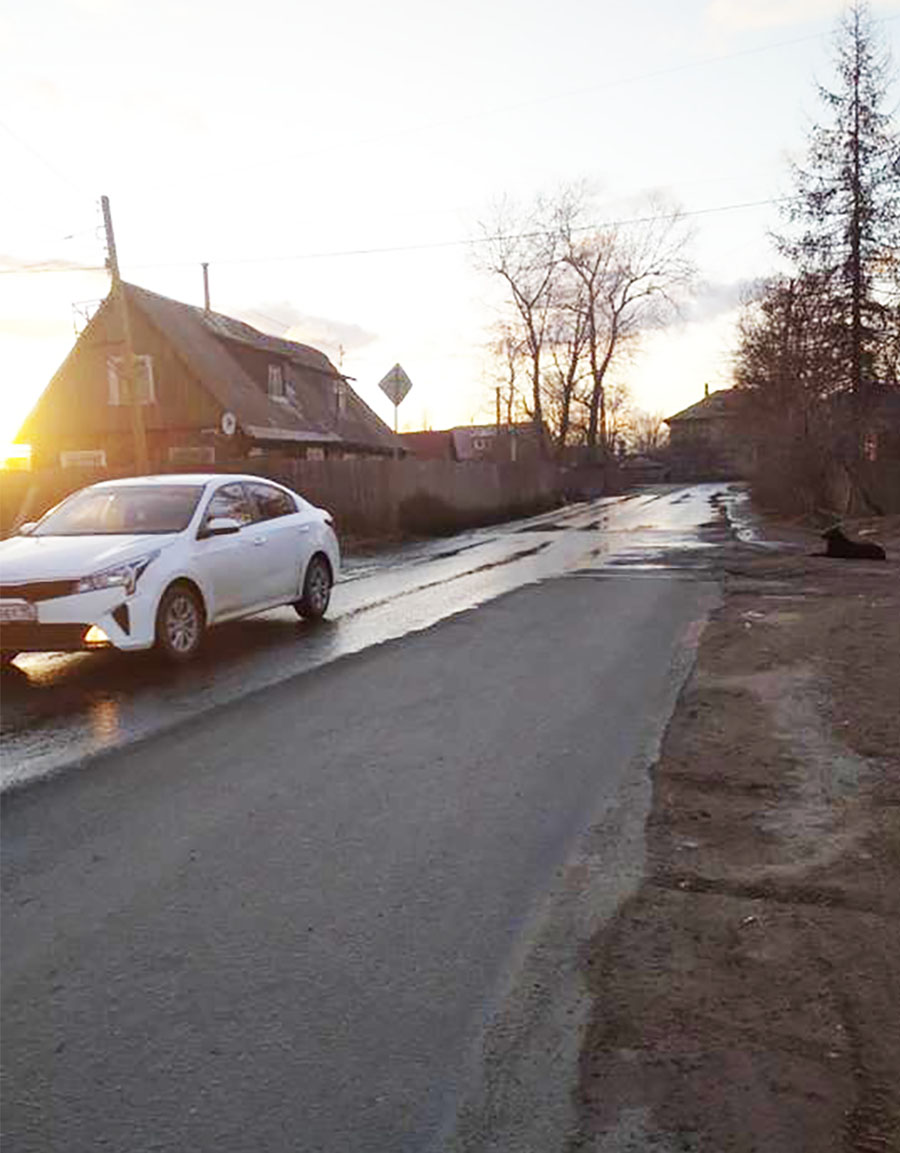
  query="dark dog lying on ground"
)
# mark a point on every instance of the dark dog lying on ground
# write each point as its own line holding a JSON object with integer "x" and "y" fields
{"x": 841, "y": 546}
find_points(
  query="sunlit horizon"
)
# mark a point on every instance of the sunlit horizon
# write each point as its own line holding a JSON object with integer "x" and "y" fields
{"x": 343, "y": 214}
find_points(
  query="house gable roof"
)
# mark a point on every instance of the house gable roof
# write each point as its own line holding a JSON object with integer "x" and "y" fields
{"x": 727, "y": 403}
{"x": 206, "y": 342}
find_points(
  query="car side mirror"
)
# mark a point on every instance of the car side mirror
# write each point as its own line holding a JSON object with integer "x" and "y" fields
{"x": 219, "y": 526}
{"x": 27, "y": 528}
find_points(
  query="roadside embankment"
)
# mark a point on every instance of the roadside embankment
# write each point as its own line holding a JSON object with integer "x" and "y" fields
{"x": 746, "y": 998}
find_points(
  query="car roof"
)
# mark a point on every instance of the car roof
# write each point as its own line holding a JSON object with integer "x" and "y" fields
{"x": 199, "y": 479}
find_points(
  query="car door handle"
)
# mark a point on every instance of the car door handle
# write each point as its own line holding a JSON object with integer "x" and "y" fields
{"x": 304, "y": 527}
{"x": 257, "y": 540}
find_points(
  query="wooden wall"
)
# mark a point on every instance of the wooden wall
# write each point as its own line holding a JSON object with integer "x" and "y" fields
{"x": 368, "y": 497}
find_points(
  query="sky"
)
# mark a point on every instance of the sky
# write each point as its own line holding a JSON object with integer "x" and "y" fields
{"x": 334, "y": 162}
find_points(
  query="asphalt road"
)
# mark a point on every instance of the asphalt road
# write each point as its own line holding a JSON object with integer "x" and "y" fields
{"x": 295, "y": 919}
{"x": 59, "y": 709}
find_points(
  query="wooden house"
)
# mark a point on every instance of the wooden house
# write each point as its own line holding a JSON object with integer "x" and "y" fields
{"x": 485, "y": 443}
{"x": 711, "y": 440}
{"x": 211, "y": 390}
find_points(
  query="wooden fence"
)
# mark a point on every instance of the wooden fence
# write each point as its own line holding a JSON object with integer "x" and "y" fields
{"x": 368, "y": 497}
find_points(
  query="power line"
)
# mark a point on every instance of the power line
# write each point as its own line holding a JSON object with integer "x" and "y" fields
{"x": 516, "y": 106}
{"x": 51, "y": 266}
{"x": 43, "y": 159}
{"x": 427, "y": 246}
{"x": 429, "y": 127}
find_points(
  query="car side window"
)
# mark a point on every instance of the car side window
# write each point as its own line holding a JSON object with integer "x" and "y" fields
{"x": 270, "y": 502}
{"x": 231, "y": 501}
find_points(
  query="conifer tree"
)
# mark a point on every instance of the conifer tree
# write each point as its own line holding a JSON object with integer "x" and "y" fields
{"x": 844, "y": 225}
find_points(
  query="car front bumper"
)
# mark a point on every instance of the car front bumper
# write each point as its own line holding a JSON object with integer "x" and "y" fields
{"x": 102, "y": 618}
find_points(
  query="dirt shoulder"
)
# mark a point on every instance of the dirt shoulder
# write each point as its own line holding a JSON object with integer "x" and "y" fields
{"x": 748, "y": 996}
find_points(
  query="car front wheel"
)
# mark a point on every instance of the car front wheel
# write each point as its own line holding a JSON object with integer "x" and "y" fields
{"x": 316, "y": 589}
{"x": 180, "y": 622}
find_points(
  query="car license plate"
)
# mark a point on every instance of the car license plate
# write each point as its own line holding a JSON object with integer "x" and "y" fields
{"x": 17, "y": 612}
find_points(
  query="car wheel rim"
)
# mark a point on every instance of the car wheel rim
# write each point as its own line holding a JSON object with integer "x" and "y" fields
{"x": 182, "y": 624}
{"x": 319, "y": 586}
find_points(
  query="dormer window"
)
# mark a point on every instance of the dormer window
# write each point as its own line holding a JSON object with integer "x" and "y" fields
{"x": 276, "y": 382}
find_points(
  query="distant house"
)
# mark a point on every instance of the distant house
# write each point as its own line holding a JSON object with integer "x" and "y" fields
{"x": 428, "y": 445}
{"x": 710, "y": 440}
{"x": 498, "y": 444}
{"x": 639, "y": 469}
{"x": 211, "y": 388}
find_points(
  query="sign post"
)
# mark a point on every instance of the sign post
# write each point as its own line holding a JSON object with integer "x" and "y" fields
{"x": 395, "y": 385}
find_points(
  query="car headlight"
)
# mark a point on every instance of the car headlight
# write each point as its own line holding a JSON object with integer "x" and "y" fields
{"x": 125, "y": 575}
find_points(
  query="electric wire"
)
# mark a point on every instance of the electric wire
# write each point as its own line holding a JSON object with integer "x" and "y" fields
{"x": 50, "y": 266}
{"x": 467, "y": 242}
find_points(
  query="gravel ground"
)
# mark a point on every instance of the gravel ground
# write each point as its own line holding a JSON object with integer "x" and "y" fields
{"x": 747, "y": 997}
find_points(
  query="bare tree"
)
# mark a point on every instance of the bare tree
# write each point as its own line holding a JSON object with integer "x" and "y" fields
{"x": 786, "y": 355}
{"x": 647, "y": 431}
{"x": 581, "y": 297}
{"x": 510, "y": 359}
{"x": 568, "y": 335}
{"x": 794, "y": 375}
{"x": 631, "y": 278}
{"x": 522, "y": 248}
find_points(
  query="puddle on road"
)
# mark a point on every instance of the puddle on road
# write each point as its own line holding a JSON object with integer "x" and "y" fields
{"x": 62, "y": 709}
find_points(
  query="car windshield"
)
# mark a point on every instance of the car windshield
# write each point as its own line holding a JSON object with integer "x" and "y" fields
{"x": 123, "y": 510}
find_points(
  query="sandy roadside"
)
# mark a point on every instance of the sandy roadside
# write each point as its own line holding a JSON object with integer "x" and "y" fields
{"x": 748, "y": 996}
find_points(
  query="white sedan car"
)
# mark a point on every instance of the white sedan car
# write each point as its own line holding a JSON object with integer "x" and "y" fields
{"x": 155, "y": 560}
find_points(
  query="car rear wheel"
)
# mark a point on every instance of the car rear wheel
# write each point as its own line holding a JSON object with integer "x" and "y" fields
{"x": 316, "y": 589}
{"x": 180, "y": 622}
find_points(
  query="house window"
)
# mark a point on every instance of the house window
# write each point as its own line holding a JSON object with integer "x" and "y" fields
{"x": 192, "y": 454}
{"x": 83, "y": 458}
{"x": 276, "y": 382}
{"x": 143, "y": 380}
{"x": 315, "y": 454}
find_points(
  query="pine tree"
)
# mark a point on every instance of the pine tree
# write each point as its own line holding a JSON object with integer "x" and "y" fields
{"x": 844, "y": 224}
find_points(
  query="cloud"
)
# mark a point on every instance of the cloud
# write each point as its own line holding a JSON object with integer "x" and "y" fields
{"x": 330, "y": 336}
{"x": 10, "y": 263}
{"x": 715, "y": 298}
{"x": 740, "y": 15}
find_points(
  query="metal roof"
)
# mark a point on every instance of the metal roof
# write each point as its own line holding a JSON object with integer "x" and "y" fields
{"x": 205, "y": 342}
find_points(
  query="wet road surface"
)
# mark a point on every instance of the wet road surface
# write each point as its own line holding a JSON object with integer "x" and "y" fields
{"x": 59, "y": 710}
{"x": 301, "y": 918}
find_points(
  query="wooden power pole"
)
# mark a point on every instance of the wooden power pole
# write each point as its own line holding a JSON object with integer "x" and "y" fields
{"x": 129, "y": 376}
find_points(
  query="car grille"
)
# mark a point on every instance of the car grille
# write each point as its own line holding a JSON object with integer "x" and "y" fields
{"x": 38, "y": 590}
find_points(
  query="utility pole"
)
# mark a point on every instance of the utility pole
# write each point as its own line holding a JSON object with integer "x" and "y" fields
{"x": 205, "y": 267}
{"x": 141, "y": 465}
